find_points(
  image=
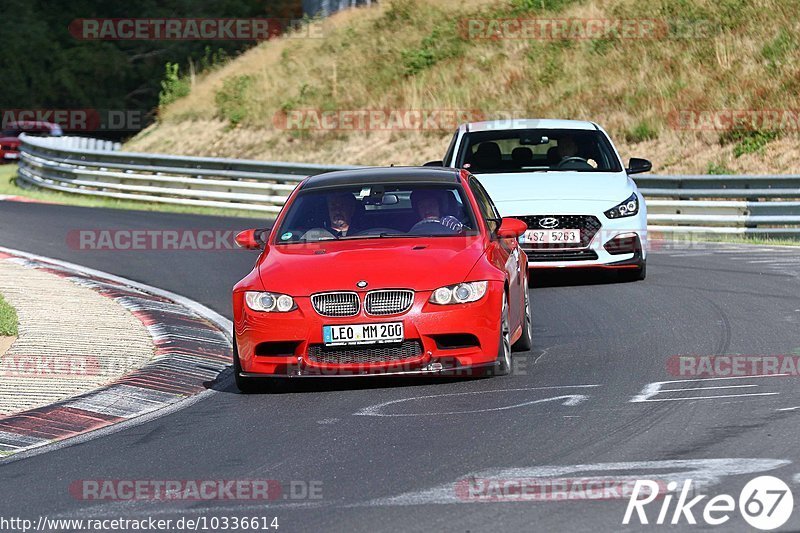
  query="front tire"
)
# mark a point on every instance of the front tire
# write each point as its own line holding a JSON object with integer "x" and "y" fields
{"x": 525, "y": 342}
{"x": 637, "y": 274}
{"x": 503, "y": 364}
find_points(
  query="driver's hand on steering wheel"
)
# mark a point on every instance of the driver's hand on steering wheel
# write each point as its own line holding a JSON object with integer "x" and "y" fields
{"x": 449, "y": 222}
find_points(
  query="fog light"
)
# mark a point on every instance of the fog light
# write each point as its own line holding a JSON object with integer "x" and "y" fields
{"x": 625, "y": 243}
{"x": 434, "y": 367}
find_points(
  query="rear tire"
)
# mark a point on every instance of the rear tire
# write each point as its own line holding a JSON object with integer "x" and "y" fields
{"x": 504, "y": 358}
{"x": 244, "y": 384}
{"x": 525, "y": 342}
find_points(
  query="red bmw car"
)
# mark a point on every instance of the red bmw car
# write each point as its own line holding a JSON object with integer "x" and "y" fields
{"x": 9, "y": 138}
{"x": 383, "y": 271}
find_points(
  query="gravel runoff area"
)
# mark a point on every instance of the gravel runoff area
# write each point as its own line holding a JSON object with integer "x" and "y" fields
{"x": 71, "y": 339}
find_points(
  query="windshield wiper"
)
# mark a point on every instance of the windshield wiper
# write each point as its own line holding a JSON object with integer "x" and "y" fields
{"x": 382, "y": 235}
{"x": 385, "y": 235}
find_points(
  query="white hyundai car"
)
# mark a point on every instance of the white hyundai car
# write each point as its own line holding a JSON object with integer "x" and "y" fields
{"x": 565, "y": 179}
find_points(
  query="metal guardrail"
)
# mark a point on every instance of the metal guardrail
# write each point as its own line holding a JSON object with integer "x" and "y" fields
{"x": 54, "y": 163}
{"x": 734, "y": 204}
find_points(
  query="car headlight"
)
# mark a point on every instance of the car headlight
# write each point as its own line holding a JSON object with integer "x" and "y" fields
{"x": 459, "y": 294}
{"x": 269, "y": 302}
{"x": 628, "y": 208}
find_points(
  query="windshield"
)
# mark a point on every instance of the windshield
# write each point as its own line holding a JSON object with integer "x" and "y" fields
{"x": 533, "y": 150}
{"x": 377, "y": 211}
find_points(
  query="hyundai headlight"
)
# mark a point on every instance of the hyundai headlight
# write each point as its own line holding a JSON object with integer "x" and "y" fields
{"x": 628, "y": 208}
{"x": 459, "y": 294}
{"x": 269, "y": 302}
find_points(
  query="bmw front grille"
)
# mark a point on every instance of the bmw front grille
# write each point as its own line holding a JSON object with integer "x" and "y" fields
{"x": 376, "y": 303}
{"x": 388, "y": 302}
{"x": 336, "y": 304}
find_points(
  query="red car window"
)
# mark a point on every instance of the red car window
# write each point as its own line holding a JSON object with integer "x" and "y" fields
{"x": 388, "y": 210}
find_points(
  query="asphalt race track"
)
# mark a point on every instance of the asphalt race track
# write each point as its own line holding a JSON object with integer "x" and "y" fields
{"x": 598, "y": 346}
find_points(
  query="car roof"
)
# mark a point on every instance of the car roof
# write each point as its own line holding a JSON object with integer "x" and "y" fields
{"x": 530, "y": 123}
{"x": 377, "y": 175}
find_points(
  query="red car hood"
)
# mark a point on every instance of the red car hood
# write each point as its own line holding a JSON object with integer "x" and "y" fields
{"x": 417, "y": 263}
{"x": 14, "y": 141}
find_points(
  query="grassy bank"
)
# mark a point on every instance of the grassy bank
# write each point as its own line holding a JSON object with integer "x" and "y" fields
{"x": 8, "y": 319}
{"x": 709, "y": 55}
{"x": 731, "y": 239}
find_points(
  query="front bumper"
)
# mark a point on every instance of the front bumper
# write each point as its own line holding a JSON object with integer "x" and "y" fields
{"x": 456, "y": 372}
{"x": 596, "y": 253}
{"x": 432, "y": 327}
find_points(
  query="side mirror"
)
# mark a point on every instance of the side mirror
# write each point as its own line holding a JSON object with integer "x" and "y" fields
{"x": 250, "y": 239}
{"x": 637, "y": 165}
{"x": 434, "y": 164}
{"x": 511, "y": 228}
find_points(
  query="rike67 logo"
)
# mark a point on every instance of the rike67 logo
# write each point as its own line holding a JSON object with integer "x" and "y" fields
{"x": 765, "y": 503}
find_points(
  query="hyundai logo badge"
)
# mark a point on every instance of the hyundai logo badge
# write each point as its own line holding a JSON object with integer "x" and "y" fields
{"x": 548, "y": 223}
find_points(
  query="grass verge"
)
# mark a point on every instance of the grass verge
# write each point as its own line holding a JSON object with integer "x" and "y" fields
{"x": 656, "y": 94}
{"x": 8, "y": 319}
{"x": 732, "y": 239}
{"x": 9, "y": 187}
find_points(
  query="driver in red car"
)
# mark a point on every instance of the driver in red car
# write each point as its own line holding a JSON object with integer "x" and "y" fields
{"x": 341, "y": 208}
{"x": 429, "y": 205}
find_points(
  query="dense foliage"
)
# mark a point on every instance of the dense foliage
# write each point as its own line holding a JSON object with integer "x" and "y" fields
{"x": 44, "y": 66}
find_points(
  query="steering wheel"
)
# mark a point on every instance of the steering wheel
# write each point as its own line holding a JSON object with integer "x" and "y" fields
{"x": 318, "y": 234}
{"x": 420, "y": 228}
{"x": 573, "y": 159}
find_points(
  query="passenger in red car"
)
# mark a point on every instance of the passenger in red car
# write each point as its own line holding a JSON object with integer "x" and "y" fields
{"x": 430, "y": 204}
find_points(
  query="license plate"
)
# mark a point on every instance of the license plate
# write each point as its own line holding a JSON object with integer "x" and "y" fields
{"x": 362, "y": 333}
{"x": 11, "y": 156}
{"x": 551, "y": 236}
